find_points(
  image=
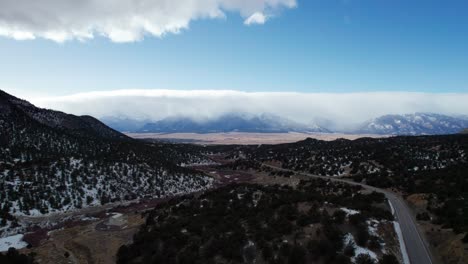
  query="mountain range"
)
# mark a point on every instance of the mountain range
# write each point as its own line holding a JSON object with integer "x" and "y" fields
{"x": 408, "y": 124}
{"x": 415, "y": 124}
{"x": 264, "y": 123}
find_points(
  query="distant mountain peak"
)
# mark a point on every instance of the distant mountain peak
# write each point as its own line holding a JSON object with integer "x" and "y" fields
{"x": 414, "y": 124}
{"x": 420, "y": 123}
{"x": 229, "y": 122}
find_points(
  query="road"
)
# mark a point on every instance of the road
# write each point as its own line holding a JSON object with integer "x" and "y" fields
{"x": 415, "y": 242}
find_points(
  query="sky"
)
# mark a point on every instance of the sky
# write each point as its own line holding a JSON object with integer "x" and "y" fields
{"x": 55, "y": 48}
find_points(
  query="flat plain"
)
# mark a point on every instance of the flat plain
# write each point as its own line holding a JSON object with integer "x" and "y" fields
{"x": 244, "y": 138}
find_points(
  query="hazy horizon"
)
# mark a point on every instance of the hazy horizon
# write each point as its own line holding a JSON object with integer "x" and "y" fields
{"x": 341, "y": 110}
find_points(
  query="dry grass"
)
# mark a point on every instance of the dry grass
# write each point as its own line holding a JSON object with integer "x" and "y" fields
{"x": 85, "y": 244}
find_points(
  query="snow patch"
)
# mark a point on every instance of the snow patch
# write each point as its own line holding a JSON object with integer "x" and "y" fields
{"x": 349, "y": 238}
{"x": 349, "y": 211}
{"x": 15, "y": 241}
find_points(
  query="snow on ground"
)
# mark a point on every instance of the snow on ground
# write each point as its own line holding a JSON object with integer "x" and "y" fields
{"x": 200, "y": 163}
{"x": 35, "y": 212}
{"x": 372, "y": 226}
{"x": 349, "y": 238}
{"x": 15, "y": 241}
{"x": 349, "y": 211}
{"x": 116, "y": 215}
{"x": 391, "y": 207}
{"x": 89, "y": 218}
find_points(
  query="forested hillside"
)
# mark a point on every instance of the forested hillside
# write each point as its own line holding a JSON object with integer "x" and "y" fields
{"x": 51, "y": 161}
{"x": 433, "y": 165}
{"x": 314, "y": 222}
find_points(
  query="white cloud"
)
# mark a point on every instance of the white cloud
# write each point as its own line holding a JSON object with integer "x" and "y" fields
{"x": 256, "y": 18}
{"x": 120, "y": 20}
{"x": 343, "y": 109}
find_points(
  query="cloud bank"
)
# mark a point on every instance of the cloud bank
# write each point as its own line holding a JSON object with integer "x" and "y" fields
{"x": 342, "y": 109}
{"x": 121, "y": 20}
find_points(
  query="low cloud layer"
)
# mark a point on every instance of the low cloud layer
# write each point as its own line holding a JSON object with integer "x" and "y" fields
{"x": 122, "y": 20}
{"x": 343, "y": 109}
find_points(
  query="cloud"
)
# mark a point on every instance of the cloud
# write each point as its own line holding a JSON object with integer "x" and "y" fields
{"x": 343, "y": 110}
{"x": 256, "y": 18}
{"x": 121, "y": 20}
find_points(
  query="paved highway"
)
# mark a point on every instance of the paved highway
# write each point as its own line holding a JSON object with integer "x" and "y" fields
{"x": 415, "y": 243}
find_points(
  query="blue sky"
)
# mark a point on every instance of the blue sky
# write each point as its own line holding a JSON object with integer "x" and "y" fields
{"x": 318, "y": 46}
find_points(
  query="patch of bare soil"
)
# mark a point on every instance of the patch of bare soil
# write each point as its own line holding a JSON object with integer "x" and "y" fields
{"x": 86, "y": 244}
{"x": 266, "y": 179}
{"x": 418, "y": 200}
{"x": 448, "y": 245}
{"x": 388, "y": 234}
{"x": 225, "y": 177}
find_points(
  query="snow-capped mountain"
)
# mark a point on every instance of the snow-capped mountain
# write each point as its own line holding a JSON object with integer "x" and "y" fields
{"x": 414, "y": 124}
{"x": 238, "y": 122}
{"x": 408, "y": 124}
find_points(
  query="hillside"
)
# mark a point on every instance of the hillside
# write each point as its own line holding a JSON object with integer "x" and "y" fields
{"x": 313, "y": 222}
{"x": 435, "y": 165}
{"x": 85, "y": 126}
{"x": 54, "y": 162}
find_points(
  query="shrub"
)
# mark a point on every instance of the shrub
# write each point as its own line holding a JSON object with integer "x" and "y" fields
{"x": 297, "y": 255}
{"x": 362, "y": 236}
{"x": 339, "y": 216}
{"x": 349, "y": 249}
{"x": 374, "y": 243}
{"x": 364, "y": 259}
{"x": 423, "y": 217}
{"x": 465, "y": 238}
{"x": 388, "y": 259}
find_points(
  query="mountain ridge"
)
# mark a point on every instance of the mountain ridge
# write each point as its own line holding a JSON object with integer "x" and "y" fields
{"x": 54, "y": 162}
{"x": 84, "y": 125}
{"x": 392, "y": 124}
{"x": 230, "y": 122}
{"x": 414, "y": 124}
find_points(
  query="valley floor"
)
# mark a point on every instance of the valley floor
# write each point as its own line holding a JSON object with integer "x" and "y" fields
{"x": 243, "y": 138}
